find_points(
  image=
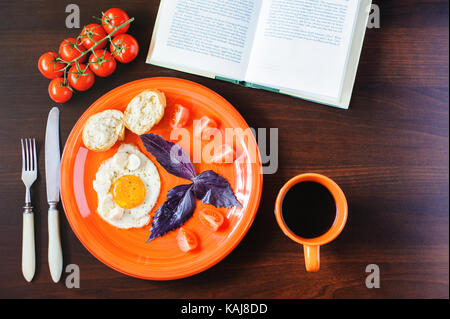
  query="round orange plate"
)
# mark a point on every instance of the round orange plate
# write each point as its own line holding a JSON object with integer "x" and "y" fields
{"x": 127, "y": 250}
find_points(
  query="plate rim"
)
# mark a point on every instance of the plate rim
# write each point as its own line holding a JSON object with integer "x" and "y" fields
{"x": 207, "y": 265}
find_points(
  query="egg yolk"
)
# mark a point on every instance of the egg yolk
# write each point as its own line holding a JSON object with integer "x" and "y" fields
{"x": 128, "y": 191}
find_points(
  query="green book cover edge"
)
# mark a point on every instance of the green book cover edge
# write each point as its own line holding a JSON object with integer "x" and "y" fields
{"x": 271, "y": 89}
{"x": 247, "y": 84}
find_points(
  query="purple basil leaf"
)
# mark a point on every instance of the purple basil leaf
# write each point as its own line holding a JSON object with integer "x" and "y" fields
{"x": 174, "y": 212}
{"x": 211, "y": 188}
{"x": 170, "y": 155}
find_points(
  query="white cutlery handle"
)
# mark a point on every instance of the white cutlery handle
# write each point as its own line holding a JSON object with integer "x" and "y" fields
{"x": 28, "y": 249}
{"x": 54, "y": 244}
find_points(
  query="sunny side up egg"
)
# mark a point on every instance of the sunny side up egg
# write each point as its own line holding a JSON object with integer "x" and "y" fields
{"x": 127, "y": 187}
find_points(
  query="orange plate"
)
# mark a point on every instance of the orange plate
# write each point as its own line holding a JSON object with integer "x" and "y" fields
{"x": 127, "y": 250}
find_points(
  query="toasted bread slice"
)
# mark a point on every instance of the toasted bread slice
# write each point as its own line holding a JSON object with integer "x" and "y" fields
{"x": 144, "y": 111}
{"x": 102, "y": 130}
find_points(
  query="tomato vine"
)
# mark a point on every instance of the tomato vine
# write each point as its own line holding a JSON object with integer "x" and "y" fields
{"x": 108, "y": 37}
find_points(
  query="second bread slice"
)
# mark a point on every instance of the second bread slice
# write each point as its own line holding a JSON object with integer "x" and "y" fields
{"x": 144, "y": 111}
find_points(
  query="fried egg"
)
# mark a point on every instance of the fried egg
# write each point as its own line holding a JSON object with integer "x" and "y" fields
{"x": 127, "y": 187}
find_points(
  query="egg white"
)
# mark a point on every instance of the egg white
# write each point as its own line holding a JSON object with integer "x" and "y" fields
{"x": 127, "y": 161}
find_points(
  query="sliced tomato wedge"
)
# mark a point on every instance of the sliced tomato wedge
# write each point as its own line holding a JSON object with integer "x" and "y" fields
{"x": 186, "y": 240}
{"x": 180, "y": 116}
{"x": 209, "y": 133}
{"x": 211, "y": 218}
{"x": 204, "y": 127}
{"x": 225, "y": 154}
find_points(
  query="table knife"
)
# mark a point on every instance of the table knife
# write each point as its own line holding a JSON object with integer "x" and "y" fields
{"x": 52, "y": 163}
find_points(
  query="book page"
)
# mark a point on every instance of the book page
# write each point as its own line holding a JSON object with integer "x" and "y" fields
{"x": 213, "y": 37}
{"x": 302, "y": 46}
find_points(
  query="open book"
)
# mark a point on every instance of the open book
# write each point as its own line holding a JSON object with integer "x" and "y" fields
{"x": 305, "y": 48}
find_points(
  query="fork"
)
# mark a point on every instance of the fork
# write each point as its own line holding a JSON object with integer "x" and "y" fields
{"x": 29, "y": 175}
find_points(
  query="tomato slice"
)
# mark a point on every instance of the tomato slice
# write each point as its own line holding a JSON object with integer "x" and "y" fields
{"x": 225, "y": 154}
{"x": 211, "y": 218}
{"x": 180, "y": 116}
{"x": 204, "y": 127}
{"x": 209, "y": 133}
{"x": 186, "y": 240}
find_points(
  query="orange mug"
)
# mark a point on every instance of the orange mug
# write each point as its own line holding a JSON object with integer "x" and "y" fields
{"x": 311, "y": 246}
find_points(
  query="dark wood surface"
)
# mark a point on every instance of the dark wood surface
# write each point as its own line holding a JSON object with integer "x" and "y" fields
{"x": 389, "y": 152}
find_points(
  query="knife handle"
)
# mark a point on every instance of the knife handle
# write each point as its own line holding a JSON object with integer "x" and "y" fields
{"x": 54, "y": 244}
{"x": 28, "y": 249}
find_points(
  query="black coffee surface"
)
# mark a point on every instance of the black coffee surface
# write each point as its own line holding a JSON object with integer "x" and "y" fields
{"x": 308, "y": 209}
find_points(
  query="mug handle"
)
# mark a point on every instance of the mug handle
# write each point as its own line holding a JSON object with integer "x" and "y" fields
{"x": 312, "y": 257}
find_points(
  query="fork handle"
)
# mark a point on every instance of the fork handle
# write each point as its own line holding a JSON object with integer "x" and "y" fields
{"x": 54, "y": 244}
{"x": 28, "y": 249}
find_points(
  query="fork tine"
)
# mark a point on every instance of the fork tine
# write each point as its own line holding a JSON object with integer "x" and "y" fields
{"x": 30, "y": 161}
{"x": 27, "y": 163}
{"x": 34, "y": 154}
{"x": 23, "y": 155}
{"x": 31, "y": 155}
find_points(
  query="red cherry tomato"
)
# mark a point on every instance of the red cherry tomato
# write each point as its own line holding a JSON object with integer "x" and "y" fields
{"x": 205, "y": 128}
{"x": 124, "y": 48}
{"x": 115, "y": 17}
{"x": 93, "y": 33}
{"x": 81, "y": 77}
{"x": 186, "y": 240}
{"x": 58, "y": 91}
{"x": 102, "y": 63}
{"x": 180, "y": 116}
{"x": 211, "y": 218}
{"x": 70, "y": 49}
{"x": 49, "y": 66}
{"x": 225, "y": 154}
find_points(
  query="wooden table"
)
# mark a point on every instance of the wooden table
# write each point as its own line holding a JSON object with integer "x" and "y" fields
{"x": 389, "y": 152}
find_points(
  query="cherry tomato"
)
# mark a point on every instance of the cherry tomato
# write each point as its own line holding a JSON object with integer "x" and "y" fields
{"x": 58, "y": 91}
{"x": 186, "y": 240}
{"x": 223, "y": 155}
{"x": 115, "y": 17}
{"x": 49, "y": 66}
{"x": 93, "y": 33}
{"x": 81, "y": 77}
{"x": 180, "y": 116}
{"x": 211, "y": 218}
{"x": 124, "y": 48}
{"x": 102, "y": 63}
{"x": 70, "y": 49}
{"x": 205, "y": 128}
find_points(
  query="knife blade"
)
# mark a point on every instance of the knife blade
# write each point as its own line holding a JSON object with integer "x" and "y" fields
{"x": 52, "y": 156}
{"x": 52, "y": 164}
